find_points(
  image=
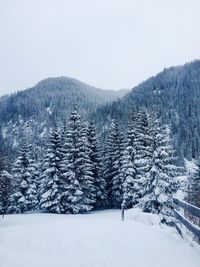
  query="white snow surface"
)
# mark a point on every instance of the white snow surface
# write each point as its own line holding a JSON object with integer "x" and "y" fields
{"x": 95, "y": 239}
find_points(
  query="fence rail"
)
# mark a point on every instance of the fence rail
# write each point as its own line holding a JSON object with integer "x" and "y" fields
{"x": 188, "y": 207}
{"x": 195, "y": 211}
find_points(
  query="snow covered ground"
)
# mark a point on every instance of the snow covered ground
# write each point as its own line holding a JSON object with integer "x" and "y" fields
{"x": 96, "y": 239}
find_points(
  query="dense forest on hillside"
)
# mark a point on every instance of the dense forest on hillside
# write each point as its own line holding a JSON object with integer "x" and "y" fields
{"x": 72, "y": 173}
{"x": 46, "y": 104}
{"x": 174, "y": 95}
{"x": 117, "y": 154}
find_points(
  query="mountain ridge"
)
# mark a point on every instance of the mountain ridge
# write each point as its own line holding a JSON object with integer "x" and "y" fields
{"x": 115, "y": 93}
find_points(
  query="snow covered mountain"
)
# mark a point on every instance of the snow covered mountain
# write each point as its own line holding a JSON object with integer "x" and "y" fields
{"x": 36, "y": 109}
{"x": 175, "y": 95}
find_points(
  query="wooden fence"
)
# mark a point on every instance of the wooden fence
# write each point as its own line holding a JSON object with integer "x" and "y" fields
{"x": 190, "y": 209}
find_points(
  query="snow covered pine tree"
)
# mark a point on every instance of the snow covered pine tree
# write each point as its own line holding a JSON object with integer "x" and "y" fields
{"x": 112, "y": 165}
{"x": 51, "y": 183}
{"x": 97, "y": 167}
{"x": 78, "y": 192}
{"x": 24, "y": 197}
{"x": 161, "y": 178}
{"x": 5, "y": 191}
{"x": 136, "y": 158}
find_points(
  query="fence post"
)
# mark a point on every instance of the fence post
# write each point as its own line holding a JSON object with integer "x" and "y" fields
{"x": 122, "y": 215}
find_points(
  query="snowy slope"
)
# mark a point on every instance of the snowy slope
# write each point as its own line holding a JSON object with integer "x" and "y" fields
{"x": 97, "y": 239}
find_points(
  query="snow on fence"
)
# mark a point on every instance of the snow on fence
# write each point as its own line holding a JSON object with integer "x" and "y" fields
{"x": 193, "y": 211}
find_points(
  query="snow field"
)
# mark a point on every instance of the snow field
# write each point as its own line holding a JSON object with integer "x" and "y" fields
{"x": 96, "y": 239}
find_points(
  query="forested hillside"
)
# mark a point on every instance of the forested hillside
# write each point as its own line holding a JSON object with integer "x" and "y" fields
{"x": 59, "y": 162}
{"x": 174, "y": 94}
{"x": 74, "y": 173}
{"x": 35, "y": 110}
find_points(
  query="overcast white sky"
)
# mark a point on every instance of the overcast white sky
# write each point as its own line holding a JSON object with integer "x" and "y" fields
{"x": 107, "y": 43}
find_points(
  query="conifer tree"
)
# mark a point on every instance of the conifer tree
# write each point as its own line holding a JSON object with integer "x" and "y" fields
{"x": 113, "y": 176}
{"x": 5, "y": 186}
{"x": 161, "y": 179}
{"x": 24, "y": 197}
{"x": 128, "y": 174}
{"x": 85, "y": 167}
{"x": 136, "y": 157}
{"x": 52, "y": 186}
{"x": 32, "y": 193}
{"x": 76, "y": 166}
{"x": 97, "y": 167}
{"x": 143, "y": 152}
